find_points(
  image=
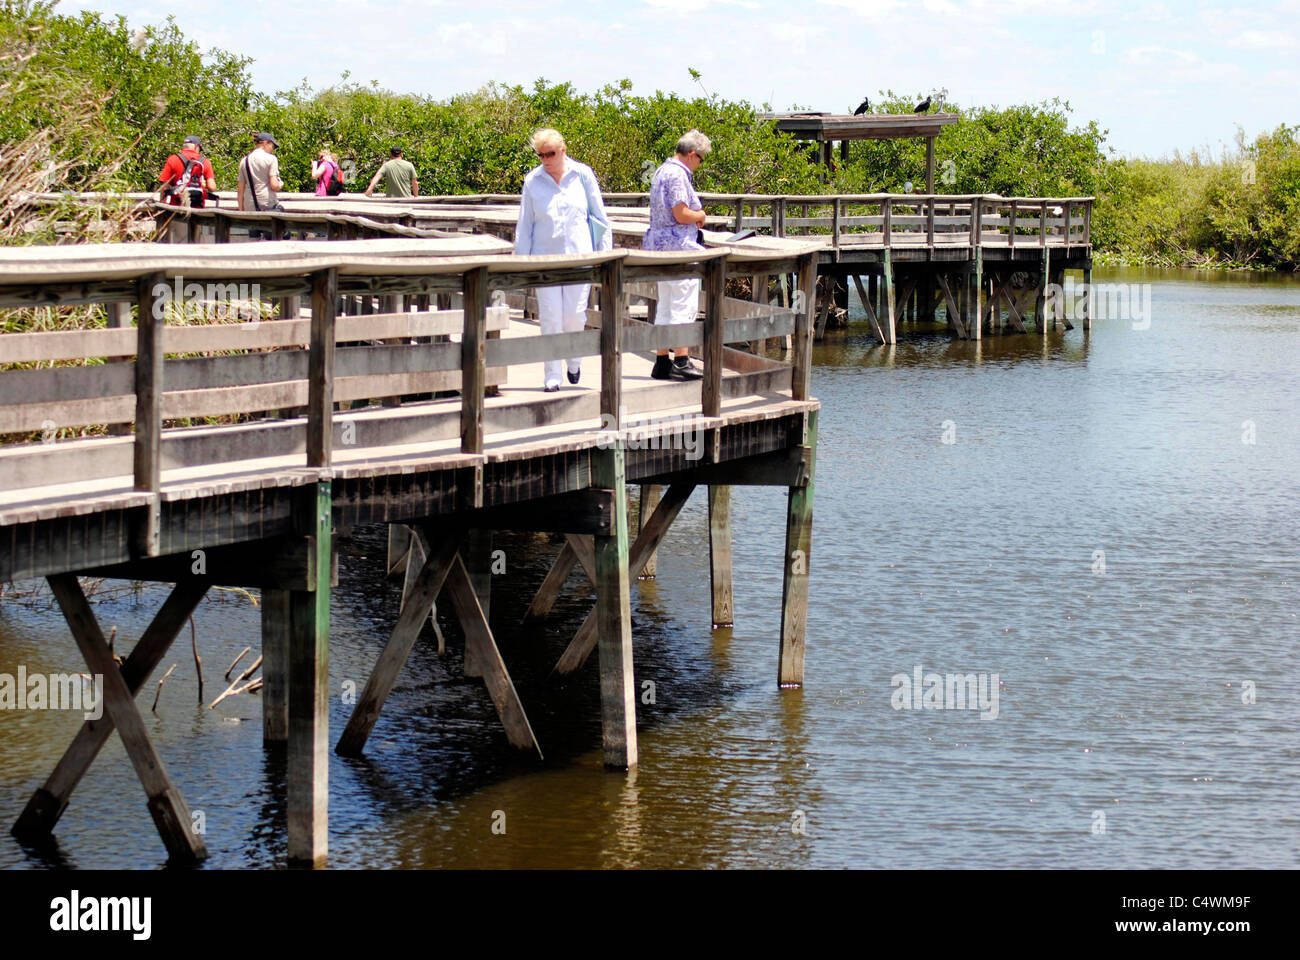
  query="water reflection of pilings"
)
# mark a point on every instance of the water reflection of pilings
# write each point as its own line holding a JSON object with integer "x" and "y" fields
{"x": 622, "y": 798}
{"x": 940, "y": 350}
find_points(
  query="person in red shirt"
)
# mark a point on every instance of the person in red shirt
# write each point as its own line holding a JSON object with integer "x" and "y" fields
{"x": 188, "y": 171}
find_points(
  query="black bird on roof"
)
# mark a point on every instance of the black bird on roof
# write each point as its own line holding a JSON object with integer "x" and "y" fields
{"x": 923, "y": 106}
{"x": 863, "y": 107}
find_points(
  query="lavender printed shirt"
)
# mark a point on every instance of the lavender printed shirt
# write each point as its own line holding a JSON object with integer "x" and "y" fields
{"x": 671, "y": 186}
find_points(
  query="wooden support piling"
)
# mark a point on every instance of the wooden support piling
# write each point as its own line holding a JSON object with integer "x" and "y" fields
{"x": 794, "y": 591}
{"x": 614, "y": 618}
{"x": 1049, "y": 307}
{"x": 275, "y": 666}
{"x": 649, "y": 501}
{"x": 478, "y": 560}
{"x": 308, "y": 675}
{"x": 1088, "y": 300}
{"x": 891, "y": 326}
{"x": 720, "y": 555}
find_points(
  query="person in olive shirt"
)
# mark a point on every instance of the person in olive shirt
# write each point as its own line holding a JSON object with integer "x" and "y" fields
{"x": 399, "y": 174}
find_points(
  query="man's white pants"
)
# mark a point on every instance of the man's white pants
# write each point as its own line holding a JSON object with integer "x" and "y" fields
{"x": 679, "y": 301}
{"x": 562, "y": 310}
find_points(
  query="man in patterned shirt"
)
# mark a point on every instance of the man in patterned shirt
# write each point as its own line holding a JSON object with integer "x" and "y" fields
{"x": 676, "y": 215}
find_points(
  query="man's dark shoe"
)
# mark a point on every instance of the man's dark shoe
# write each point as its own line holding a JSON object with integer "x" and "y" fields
{"x": 574, "y": 375}
{"x": 682, "y": 370}
{"x": 663, "y": 368}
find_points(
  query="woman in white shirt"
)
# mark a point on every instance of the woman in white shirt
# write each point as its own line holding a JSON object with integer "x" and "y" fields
{"x": 560, "y": 202}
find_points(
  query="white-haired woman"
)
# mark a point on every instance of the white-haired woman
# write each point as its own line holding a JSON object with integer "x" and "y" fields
{"x": 560, "y": 211}
{"x": 676, "y": 215}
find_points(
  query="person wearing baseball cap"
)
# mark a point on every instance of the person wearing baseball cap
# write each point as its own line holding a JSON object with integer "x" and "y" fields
{"x": 259, "y": 176}
{"x": 188, "y": 175}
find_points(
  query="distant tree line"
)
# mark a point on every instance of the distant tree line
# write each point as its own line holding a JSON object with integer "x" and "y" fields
{"x": 87, "y": 103}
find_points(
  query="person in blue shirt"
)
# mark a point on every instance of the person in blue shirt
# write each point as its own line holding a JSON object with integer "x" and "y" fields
{"x": 676, "y": 215}
{"x": 560, "y": 202}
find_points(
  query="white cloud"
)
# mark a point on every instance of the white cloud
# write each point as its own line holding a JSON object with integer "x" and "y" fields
{"x": 1154, "y": 55}
{"x": 1260, "y": 40}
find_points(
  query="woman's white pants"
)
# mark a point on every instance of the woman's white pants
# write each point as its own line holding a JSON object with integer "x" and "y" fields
{"x": 562, "y": 310}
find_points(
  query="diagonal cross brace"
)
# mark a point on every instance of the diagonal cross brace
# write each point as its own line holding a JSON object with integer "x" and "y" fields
{"x": 166, "y": 804}
{"x": 50, "y": 800}
{"x": 647, "y": 542}
{"x": 443, "y": 569}
{"x": 424, "y": 591}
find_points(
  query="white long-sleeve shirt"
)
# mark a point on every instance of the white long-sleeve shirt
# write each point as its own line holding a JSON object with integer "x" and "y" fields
{"x": 553, "y": 216}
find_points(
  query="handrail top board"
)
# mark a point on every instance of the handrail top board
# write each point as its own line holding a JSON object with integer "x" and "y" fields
{"x": 83, "y": 262}
{"x": 24, "y": 266}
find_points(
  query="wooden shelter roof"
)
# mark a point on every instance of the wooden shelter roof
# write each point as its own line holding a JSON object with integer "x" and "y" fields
{"x": 872, "y": 126}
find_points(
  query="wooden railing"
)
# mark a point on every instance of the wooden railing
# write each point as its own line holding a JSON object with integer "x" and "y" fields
{"x": 843, "y": 220}
{"x": 318, "y": 362}
{"x": 900, "y": 219}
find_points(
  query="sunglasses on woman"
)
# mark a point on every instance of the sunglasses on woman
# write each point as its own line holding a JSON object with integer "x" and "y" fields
{"x": 546, "y": 156}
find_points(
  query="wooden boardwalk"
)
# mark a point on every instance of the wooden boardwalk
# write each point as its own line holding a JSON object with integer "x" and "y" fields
{"x": 983, "y": 262}
{"x": 340, "y": 413}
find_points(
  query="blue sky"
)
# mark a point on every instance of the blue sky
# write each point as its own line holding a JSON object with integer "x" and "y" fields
{"x": 1159, "y": 76}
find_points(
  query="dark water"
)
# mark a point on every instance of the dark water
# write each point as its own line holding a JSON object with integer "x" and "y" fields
{"x": 1120, "y": 693}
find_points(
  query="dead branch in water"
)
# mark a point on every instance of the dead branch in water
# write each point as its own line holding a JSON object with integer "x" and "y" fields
{"x": 236, "y": 663}
{"x": 198, "y": 661}
{"x": 158, "y": 692}
{"x": 230, "y": 690}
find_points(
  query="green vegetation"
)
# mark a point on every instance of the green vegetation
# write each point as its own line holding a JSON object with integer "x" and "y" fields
{"x": 1239, "y": 210}
{"x": 88, "y": 104}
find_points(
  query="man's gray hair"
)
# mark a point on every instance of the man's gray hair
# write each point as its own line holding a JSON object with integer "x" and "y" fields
{"x": 693, "y": 140}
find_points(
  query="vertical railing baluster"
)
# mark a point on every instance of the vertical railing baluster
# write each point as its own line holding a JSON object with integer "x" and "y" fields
{"x": 147, "y": 446}
{"x": 803, "y": 328}
{"x": 715, "y": 287}
{"x": 611, "y": 344}
{"x": 320, "y": 369}
{"x": 473, "y": 360}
